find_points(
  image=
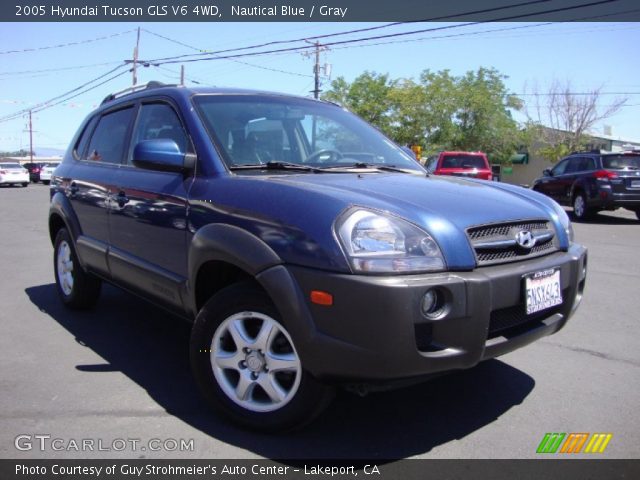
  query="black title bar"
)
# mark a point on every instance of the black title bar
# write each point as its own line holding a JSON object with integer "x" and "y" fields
{"x": 319, "y": 10}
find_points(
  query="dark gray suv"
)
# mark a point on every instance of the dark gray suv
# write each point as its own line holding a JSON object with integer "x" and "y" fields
{"x": 594, "y": 181}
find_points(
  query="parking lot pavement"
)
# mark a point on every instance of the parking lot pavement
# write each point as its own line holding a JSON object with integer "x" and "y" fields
{"x": 121, "y": 372}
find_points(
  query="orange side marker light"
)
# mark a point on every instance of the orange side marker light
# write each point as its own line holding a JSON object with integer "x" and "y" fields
{"x": 321, "y": 298}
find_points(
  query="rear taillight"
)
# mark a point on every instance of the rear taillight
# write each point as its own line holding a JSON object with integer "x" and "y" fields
{"x": 3, "y": 172}
{"x": 604, "y": 175}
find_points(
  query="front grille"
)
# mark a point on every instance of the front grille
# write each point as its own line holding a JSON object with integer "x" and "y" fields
{"x": 495, "y": 244}
{"x": 488, "y": 256}
{"x": 501, "y": 230}
{"x": 512, "y": 321}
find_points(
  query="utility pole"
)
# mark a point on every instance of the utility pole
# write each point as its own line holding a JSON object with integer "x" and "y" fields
{"x": 135, "y": 59}
{"x": 316, "y": 68}
{"x": 316, "y": 72}
{"x": 30, "y": 138}
{"x": 182, "y": 75}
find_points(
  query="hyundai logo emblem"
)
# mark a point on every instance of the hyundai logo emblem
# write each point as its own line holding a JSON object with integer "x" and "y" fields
{"x": 525, "y": 239}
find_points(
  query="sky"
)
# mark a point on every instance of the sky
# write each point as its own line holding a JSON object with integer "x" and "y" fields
{"x": 589, "y": 55}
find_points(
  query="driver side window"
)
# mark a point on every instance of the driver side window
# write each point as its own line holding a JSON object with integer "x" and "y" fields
{"x": 157, "y": 121}
{"x": 560, "y": 168}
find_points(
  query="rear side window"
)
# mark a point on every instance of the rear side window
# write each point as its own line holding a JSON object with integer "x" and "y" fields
{"x": 81, "y": 145}
{"x": 110, "y": 137}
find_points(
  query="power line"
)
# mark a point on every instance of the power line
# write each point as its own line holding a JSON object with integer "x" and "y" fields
{"x": 69, "y": 44}
{"x": 233, "y": 60}
{"x": 183, "y": 59}
{"x": 65, "y": 96}
{"x": 561, "y": 94}
{"x": 61, "y": 69}
{"x": 483, "y": 32}
{"x": 348, "y": 32}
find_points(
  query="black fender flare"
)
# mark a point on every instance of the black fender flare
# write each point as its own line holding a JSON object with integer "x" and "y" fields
{"x": 229, "y": 244}
{"x": 236, "y": 246}
{"x": 61, "y": 206}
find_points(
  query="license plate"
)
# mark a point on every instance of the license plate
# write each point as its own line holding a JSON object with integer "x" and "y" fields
{"x": 543, "y": 290}
{"x": 635, "y": 183}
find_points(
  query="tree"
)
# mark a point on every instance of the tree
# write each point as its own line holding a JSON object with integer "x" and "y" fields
{"x": 440, "y": 111}
{"x": 473, "y": 112}
{"x": 562, "y": 118}
{"x": 367, "y": 96}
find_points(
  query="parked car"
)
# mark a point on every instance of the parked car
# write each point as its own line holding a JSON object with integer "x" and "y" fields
{"x": 309, "y": 251}
{"x": 12, "y": 173}
{"x": 460, "y": 164}
{"x": 34, "y": 171}
{"x": 47, "y": 172}
{"x": 594, "y": 181}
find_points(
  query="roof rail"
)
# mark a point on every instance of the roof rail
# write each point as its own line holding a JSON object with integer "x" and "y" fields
{"x": 136, "y": 88}
{"x": 593, "y": 150}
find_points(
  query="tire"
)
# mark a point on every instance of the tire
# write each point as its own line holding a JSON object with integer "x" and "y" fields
{"x": 638, "y": 214}
{"x": 580, "y": 210}
{"x": 46, "y": 182}
{"x": 239, "y": 340}
{"x": 25, "y": 184}
{"x": 77, "y": 289}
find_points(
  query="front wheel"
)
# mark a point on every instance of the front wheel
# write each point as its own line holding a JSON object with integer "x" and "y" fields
{"x": 247, "y": 365}
{"x": 77, "y": 289}
{"x": 638, "y": 214}
{"x": 580, "y": 209}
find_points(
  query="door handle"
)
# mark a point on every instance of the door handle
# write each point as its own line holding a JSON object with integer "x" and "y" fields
{"x": 73, "y": 189}
{"x": 122, "y": 199}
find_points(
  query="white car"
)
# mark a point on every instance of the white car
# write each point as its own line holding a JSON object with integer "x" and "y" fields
{"x": 13, "y": 173}
{"x": 47, "y": 172}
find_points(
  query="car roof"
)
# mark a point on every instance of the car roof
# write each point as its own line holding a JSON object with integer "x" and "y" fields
{"x": 180, "y": 91}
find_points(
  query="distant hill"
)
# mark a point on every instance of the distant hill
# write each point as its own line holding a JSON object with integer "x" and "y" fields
{"x": 49, "y": 152}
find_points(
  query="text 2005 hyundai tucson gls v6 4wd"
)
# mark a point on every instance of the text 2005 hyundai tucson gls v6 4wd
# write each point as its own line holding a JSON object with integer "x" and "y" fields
{"x": 308, "y": 250}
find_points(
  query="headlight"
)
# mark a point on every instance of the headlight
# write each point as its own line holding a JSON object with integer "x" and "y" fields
{"x": 564, "y": 221}
{"x": 378, "y": 243}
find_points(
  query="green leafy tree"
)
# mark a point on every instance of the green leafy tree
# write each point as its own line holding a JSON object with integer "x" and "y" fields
{"x": 441, "y": 111}
{"x": 368, "y": 96}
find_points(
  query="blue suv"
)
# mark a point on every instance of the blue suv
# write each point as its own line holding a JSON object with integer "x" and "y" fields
{"x": 309, "y": 251}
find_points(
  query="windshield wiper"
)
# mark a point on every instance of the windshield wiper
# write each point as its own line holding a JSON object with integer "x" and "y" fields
{"x": 375, "y": 166}
{"x": 275, "y": 166}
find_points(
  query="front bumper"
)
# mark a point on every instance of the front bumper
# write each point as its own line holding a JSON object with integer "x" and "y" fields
{"x": 375, "y": 331}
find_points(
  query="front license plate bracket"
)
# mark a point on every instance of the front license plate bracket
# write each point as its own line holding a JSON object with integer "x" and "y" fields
{"x": 542, "y": 290}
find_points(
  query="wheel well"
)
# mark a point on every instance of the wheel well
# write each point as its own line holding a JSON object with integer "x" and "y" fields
{"x": 214, "y": 276}
{"x": 575, "y": 193}
{"x": 55, "y": 224}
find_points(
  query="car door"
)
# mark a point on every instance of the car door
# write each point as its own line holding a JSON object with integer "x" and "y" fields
{"x": 148, "y": 223}
{"x": 551, "y": 185}
{"x": 88, "y": 184}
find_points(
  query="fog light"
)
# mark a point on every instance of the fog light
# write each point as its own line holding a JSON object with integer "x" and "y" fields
{"x": 433, "y": 304}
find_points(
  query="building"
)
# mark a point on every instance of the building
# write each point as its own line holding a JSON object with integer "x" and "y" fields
{"x": 526, "y": 167}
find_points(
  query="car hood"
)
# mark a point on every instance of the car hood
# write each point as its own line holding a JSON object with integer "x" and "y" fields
{"x": 462, "y": 202}
{"x": 295, "y": 213}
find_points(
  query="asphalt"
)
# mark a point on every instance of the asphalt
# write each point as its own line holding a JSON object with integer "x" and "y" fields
{"x": 121, "y": 372}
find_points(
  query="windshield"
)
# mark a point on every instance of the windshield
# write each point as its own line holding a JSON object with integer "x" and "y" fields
{"x": 10, "y": 165}
{"x": 463, "y": 161}
{"x": 260, "y": 129}
{"x": 621, "y": 161}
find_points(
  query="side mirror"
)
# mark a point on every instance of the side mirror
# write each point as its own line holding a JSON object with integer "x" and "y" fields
{"x": 161, "y": 154}
{"x": 547, "y": 172}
